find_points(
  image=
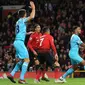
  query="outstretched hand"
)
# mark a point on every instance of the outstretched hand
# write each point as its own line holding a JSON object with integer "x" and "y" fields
{"x": 32, "y": 4}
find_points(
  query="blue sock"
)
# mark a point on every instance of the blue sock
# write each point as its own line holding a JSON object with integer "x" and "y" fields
{"x": 24, "y": 69}
{"x": 84, "y": 67}
{"x": 69, "y": 71}
{"x": 16, "y": 68}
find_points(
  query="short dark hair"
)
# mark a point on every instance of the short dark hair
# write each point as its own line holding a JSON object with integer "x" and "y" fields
{"x": 75, "y": 27}
{"x": 46, "y": 29}
{"x": 21, "y": 12}
{"x": 36, "y": 25}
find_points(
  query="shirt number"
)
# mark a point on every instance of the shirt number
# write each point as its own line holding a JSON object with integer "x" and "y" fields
{"x": 17, "y": 29}
{"x": 41, "y": 41}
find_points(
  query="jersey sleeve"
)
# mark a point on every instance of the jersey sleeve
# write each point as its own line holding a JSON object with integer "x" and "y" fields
{"x": 29, "y": 45}
{"x": 78, "y": 40}
{"x": 26, "y": 19}
{"x": 52, "y": 45}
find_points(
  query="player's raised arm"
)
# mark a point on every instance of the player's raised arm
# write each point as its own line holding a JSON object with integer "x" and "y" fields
{"x": 32, "y": 15}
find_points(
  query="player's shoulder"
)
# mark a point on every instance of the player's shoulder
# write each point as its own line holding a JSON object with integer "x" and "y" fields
{"x": 22, "y": 20}
{"x": 19, "y": 21}
{"x": 74, "y": 37}
{"x": 33, "y": 34}
{"x": 50, "y": 36}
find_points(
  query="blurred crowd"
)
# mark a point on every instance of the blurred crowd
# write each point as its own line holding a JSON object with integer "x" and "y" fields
{"x": 60, "y": 21}
{"x": 12, "y": 2}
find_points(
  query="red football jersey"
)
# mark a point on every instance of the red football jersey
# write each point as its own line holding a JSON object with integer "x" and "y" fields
{"x": 47, "y": 43}
{"x": 34, "y": 41}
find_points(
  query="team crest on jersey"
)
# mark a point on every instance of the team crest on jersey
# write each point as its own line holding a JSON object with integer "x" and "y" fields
{"x": 30, "y": 38}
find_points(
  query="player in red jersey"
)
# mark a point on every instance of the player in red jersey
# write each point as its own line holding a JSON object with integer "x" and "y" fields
{"x": 44, "y": 54}
{"x": 34, "y": 39}
{"x": 32, "y": 45}
{"x": 47, "y": 42}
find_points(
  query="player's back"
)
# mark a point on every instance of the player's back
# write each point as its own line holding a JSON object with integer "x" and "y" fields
{"x": 75, "y": 41}
{"x": 20, "y": 29}
{"x": 45, "y": 42}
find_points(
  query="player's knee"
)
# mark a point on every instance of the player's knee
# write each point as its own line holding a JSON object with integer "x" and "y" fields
{"x": 57, "y": 64}
{"x": 26, "y": 60}
{"x": 37, "y": 62}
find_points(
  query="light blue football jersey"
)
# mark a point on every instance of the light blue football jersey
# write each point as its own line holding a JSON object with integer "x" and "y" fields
{"x": 75, "y": 42}
{"x": 20, "y": 29}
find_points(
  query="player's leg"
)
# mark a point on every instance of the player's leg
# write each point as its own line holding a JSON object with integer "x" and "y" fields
{"x": 18, "y": 61}
{"x": 68, "y": 72}
{"x": 75, "y": 63}
{"x": 80, "y": 61}
{"x": 53, "y": 64}
{"x": 44, "y": 75}
{"x": 16, "y": 68}
{"x": 75, "y": 60}
{"x": 49, "y": 62}
{"x": 57, "y": 69}
{"x": 24, "y": 70}
{"x": 31, "y": 57}
{"x": 25, "y": 56}
{"x": 43, "y": 66}
{"x": 38, "y": 68}
{"x": 42, "y": 61}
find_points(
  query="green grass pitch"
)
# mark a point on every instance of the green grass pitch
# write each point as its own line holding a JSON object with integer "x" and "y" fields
{"x": 70, "y": 81}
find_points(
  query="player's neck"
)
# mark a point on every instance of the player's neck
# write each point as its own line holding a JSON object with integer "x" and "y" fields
{"x": 37, "y": 32}
{"x": 22, "y": 17}
{"x": 46, "y": 33}
{"x": 76, "y": 33}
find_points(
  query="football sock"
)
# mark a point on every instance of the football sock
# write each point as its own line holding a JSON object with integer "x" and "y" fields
{"x": 56, "y": 70}
{"x": 16, "y": 68}
{"x": 43, "y": 73}
{"x": 38, "y": 72}
{"x": 23, "y": 71}
{"x": 43, "y": 70}
{"x": 38, "y": 75}
{"x": 68, "y": 72}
